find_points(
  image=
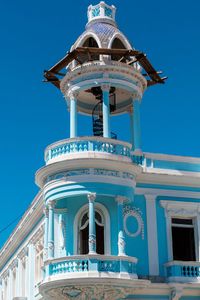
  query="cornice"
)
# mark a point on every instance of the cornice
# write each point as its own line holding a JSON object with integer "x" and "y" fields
{"x": 22, "y": 229}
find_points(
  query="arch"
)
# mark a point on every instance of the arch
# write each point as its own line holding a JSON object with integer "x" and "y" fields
{"x": 104, "y": 212}
{"x": 123, "y": 40}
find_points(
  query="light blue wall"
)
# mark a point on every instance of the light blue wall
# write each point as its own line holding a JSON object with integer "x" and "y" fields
{"x": 136, "y": 246}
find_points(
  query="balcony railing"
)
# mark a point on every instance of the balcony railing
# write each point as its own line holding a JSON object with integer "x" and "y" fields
{"x": 124, "y": 265}
{"x": 68, "y": 148}
{"x": 183, "y": 271}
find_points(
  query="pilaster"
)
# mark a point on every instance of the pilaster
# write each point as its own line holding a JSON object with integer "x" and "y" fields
{"x": 31, "y": 271}
{"x": 152, "y": 236}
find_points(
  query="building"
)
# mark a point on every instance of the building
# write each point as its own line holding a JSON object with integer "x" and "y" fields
{"x": 110, "y": 221}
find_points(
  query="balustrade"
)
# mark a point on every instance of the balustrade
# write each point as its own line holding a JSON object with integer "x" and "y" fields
{"x": 101, "y": 145}
{"x": 87, "y": 263}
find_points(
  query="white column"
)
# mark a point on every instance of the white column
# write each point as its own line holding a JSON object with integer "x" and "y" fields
{"x": 1, "y": 289}
{"x": 121, "y": 236}
{"x": 10, "y": 286}
{"x": 19, "y": 278}
{"x": 31, "y": 271}
{"x": 152, "y": 235}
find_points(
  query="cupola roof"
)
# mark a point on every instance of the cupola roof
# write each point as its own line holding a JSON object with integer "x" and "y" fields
{"x": 102, "y": 27}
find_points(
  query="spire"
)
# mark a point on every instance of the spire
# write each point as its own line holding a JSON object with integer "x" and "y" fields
{"x": 103, "y": 12}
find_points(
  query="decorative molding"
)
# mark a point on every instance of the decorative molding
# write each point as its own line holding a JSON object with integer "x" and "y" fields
{"x": 181, "y": 208}
{"x": 90, "y": 171}
{"x": 91, "y": 197}
{"x": 137, "y": 214}
{"x": 176, "y": 293}
{"x": 121, "y": 199}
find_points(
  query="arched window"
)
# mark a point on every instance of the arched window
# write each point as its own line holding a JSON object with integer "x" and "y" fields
{"x": 117, "y": 44}
{"x": 84, "y": 233}
{"x": 91, "y": 43}
{"x": 81, "y": 230}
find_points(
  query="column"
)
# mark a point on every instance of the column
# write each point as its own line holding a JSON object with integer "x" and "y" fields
{"x": 136, "y": 125}
{"x": 106, "y": 110}
{"x": 1, "y": 289}
{"x": 92, "y": 226}
{"x": 121, "y": 236}
{"x": 131, "y": 128}
{"x": 51, "y": 230}
{"x": 19, "y": 278}
{"x": 46, "y": 226}
{"x": 73, "y": 115}
{"x": 152, "y": 236}
{"x": 31, "y": 272}
{"x": 10, "y": 285}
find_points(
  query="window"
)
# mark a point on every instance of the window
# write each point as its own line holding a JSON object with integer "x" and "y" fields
{"x": 84, "y": 233}
{"x": 183, "y": 230}
{"x": 183, "y": 239}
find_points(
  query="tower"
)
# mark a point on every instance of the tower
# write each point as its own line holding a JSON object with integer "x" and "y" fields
{"x": 109, "y": 221}
{"x": 89, "y": 182}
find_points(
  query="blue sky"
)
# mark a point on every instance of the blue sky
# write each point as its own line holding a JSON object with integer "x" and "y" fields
{"x": 36, "y": 34}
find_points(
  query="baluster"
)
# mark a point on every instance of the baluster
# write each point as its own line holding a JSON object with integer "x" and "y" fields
{"x": 67, "y": 148}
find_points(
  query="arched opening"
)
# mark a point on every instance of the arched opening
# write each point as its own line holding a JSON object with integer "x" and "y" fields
{"x": 91, "y": 43}
{"x": 84, "y": 233}
{"x": 117, "y": 44}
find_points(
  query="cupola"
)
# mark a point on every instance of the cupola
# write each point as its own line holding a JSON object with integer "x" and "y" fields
{"x": 101, "y": 12}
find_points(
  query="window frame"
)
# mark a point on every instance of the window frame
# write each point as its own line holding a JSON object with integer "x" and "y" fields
{"x": 182, "y": 210}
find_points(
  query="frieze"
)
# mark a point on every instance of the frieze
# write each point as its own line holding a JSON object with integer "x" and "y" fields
{"x": 133, "y": 212}
{"x": 83, "y": 172}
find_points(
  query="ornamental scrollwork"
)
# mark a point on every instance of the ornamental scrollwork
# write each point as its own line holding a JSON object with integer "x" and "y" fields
{"x": 133, "y": 212}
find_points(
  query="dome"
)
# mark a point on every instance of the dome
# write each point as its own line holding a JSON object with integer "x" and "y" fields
{"x": 102, "y": 29}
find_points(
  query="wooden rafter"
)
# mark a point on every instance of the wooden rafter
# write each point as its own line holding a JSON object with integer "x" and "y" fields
{"x": 80, "y": 52}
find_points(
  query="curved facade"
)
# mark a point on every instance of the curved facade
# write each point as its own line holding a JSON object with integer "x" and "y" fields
{"x": 110, "y": 221}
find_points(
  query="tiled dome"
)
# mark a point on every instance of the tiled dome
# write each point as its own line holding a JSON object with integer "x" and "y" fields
{"x": 102, "y": 28}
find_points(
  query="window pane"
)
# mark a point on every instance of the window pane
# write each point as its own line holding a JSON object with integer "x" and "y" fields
{"x": 183, "y": 244}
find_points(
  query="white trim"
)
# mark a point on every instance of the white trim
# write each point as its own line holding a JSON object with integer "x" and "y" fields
{"x": 174, "y": 158}
{"x": 166, "y": 193}
{"x": 152, "y": 235}
{"x": 103, "y": 210}
{"x": 182, "y": 209}
{"x": 122, "y": 38}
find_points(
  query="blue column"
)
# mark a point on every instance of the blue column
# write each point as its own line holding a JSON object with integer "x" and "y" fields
{"x": 51, "y": 230}
{"x": 121, "y": 237}
{"x": 73, "y": 116}
{"x": 131, "y": 128}
{"x": 92, "y": 226}
{"x": 136, "y": 126}
{"x": 46, "y": 228}
{"x": 106, "y": 111}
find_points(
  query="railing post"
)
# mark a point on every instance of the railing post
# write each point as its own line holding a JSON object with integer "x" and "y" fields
{"x": 92, "y": 226}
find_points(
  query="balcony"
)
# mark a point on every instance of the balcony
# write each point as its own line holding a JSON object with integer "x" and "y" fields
{"x": 99, "y": 266}
{"x": 183, "y": 271}
{"x": 88, "y": 147}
